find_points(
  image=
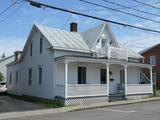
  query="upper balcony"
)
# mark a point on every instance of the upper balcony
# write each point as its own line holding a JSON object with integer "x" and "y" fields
{"x": 113, "y": 52}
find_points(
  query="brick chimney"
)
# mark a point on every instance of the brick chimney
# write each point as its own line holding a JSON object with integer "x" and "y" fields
{"x": 73, "y": 27}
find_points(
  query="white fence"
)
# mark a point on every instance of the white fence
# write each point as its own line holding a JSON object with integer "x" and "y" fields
{"x": 139, "y": 88}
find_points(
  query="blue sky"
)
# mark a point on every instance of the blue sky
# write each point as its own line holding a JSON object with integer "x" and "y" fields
{"x": 15, "y": 29}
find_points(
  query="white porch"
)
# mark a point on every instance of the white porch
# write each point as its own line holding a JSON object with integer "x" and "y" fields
{"x": 67, "y": 79}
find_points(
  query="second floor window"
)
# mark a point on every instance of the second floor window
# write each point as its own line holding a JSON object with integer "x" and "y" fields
{"x": 16, "y": 76}
{"x": 31, "y": 49}
{"x": 103, "y": 43}
{"x": 41, "y": 45}
{"x": 153, "y": 60}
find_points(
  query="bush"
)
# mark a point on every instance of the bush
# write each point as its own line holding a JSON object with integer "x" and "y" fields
{"x": 1, "y": 77}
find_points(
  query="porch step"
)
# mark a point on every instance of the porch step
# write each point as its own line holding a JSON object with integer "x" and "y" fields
{"x": 117, "y": 97}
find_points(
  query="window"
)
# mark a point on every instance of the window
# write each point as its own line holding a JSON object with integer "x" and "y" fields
{"x": 153, "y": 60}
{"x": 103, "y": 43}
{"x": 103, "y": 76}
{"x": 81, "y": 75}
{"x": 40, "y": 75}
{"x": 10, "y": 78}
{"x": 16, "y": 76}
{"x": 30, "y": 76}
{"x": 31, "y": 49}
{"x": 122, "y": 78}
{"x": 41, "y": 45}
{"x": 154, "y": 76}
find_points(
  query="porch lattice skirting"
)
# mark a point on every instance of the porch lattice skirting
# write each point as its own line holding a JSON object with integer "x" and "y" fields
{"x": 83, "y": 100}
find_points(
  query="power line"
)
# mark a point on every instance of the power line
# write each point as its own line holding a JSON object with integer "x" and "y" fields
{"x": 8, "y": 7}
{"x": 146, "y": 4}
{"x": 40, "y": 5}
{"x": 134, "y": 15}
{"x": 11, "y": 14}
{"x": 124, "y": 6}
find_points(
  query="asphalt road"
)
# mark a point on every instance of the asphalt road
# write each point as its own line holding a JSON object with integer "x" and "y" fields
{"x": 141, "y": 111}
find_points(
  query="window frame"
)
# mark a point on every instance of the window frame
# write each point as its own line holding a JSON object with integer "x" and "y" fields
{"x": 40, "y": 75}
{"x": 101, "y": 77}
{"x": 16, "y": 76}
{"x": 30, "y": 75}
{"x": 103, "y": 43}
{"x": 31, "y": 49}
{"x": 82, "y": 75}
{"x": 41, "y": 45}
{"x": 153, "y": 60}
{"x": 10, "y": 78}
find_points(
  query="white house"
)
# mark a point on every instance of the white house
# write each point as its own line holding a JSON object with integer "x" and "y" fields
{"x": 77, "y": 68}
{"x": 3, "y": 62}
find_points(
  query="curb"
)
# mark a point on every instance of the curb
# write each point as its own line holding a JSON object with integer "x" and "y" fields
{"x": 73, "y": 108}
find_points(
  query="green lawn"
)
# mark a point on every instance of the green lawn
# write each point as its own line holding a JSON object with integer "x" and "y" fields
{"x": 49, "y": 103}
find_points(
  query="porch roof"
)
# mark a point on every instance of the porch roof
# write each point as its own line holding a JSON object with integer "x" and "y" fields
{"x": 73, "y": 58}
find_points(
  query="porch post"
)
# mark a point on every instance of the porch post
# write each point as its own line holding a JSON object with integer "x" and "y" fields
{"x": 125, "y": 77}
{"x": 66, "y": 77}
{"x": 107, "y": 76}
{"x": 151, "y": 78}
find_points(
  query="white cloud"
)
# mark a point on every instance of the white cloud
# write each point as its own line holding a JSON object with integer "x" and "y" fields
{"x": 10, "y": 45}
{"x": 138, "y": 43}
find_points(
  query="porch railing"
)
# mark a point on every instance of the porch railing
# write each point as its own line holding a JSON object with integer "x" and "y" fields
{"x": 139, "y": 88}
{"x": 81, "y": 90}
{"x": 78, "y": 90}
{"x": 113, "y": 52}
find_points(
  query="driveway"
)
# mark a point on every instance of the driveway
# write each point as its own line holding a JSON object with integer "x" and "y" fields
{"x": 8, "y": 104}
{"x": 140, "y": 111}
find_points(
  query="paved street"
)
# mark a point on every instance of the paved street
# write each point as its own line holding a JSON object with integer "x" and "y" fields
{"x": 141, "y": 111}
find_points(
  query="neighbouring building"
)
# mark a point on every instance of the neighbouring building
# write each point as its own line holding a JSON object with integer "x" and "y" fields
{"x": 152, "y": 56}
{"x": 77, "y": 68}
{"x": 3, "y": 62}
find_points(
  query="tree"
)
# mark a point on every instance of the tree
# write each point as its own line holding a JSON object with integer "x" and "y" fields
{"x": 1, "y": 77}
{"x": 3, "y": 56}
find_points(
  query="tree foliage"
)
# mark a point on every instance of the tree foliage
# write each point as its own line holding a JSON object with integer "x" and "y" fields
{"x": 1, "y": 77}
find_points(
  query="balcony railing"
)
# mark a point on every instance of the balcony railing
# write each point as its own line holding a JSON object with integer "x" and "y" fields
{"x": 113, "y": 52}
{"x": 139, "y": 88}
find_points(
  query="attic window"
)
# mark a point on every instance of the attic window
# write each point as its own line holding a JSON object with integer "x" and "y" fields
{"x": 103, "y": 43}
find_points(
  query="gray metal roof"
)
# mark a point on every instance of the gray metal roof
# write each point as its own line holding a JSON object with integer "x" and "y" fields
{"x": 78, "y": 41}
{"x": 91, "y": 35}
{"x": 63, "y": 39}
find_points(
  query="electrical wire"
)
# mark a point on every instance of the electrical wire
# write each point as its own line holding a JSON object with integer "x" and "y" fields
{"x": 124, "y": 6}
{"x": 41, "y": 5}
{"x": 109, "y": 8}
{"x": 146, "y": 4}
{"x": 11, "y": 14}
{"x": 2, "y": 12}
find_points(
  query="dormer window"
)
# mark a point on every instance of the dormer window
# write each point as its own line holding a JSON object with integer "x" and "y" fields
{"x": 103, "y": 43}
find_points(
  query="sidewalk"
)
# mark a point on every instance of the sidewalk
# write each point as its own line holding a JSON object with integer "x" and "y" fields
{"x": 72, "y": 108}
